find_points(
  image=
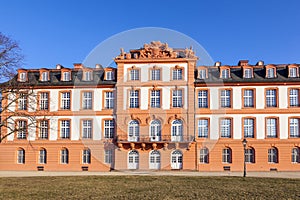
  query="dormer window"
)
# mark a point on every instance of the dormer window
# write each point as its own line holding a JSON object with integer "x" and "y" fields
{"x": 88, "y": 75}
{"x": 202, "y": 74}
{"x": 66, "y": 76}
{"x": 270, "y": 72}
{"x": 225, "y": 73}
{"x": 22, "y": 76}
{"x": 293, "y": 72}
{"x": 109, "y": 75}
{"x": 44, "y": 76}
{"x": 248, "y": 73}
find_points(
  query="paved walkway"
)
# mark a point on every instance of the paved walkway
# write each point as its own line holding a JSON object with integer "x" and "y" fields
{"x": 149, "y": 173}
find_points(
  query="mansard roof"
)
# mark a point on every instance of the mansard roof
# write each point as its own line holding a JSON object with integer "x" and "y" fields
{"x": 55, "y": 79}
{"x": 259, "y": 74}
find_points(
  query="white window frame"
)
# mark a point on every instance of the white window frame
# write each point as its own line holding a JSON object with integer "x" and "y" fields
{"x": 64, "y": 156}
{"x": 225, "y": 73}
{"x": 271, "y": 72}
{"x": 248, "y": 96}
{"x": 21, "y": 156}
{"x": 134, "y": 96}
{"x": 134, "y": 74}
{"x": 225, "y": 98}
{"x": 22, "y": 129}
{"x": 65, "y": 129}
{"x": 203, "y": 99}
{"x": 65, "y": 100}
{"x": 273, "y": 155}
{"x": 296, "y": 155}
{"x": 44, "y": 101}
{"x": 22, "y": 101}
{"x": 155, "y": 98}
{"x": 44, "y": 129}
{"x": 293, "y": 72}
{"x": 155, "y": 130}
{"x": 66, "y": 76}
{"x": 45, "y": 76}
{"x": 294, "y": 97}
{"x": 249, "y": 155}
{"x": 272, "y": 129}
{"x": 204, "y": 155}
{"x": 133, "y": 130}
{"x": 42, "y": 156}
{"x": 177, "y": 130}
{"x": 22, "y": 76}
{"x": 248, "y": 73}
{"x": 226, "y": 155}
{"x": 87, "y": 100}
{"x": 271, "y": 98}
{"x": 86, "y": 156}
{"x": 87, "y": 128}
{"x": 202, "y": 74}
{"x": 155, "y": 74}
{"x": 109, "y": 128}
{"x": 203, "y": 128}
{"x": 177, "y": 98}
{"x": 294, "y": 127}
{"x": 109, "y": 100}
{"x": 108, "y": 156}
{"x": 177, "y": 74}
{"x": 226, "y": 128}
{"x": 248, "y": 127}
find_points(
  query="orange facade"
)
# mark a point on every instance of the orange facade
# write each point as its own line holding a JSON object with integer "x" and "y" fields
{"x": 156, "y": 111}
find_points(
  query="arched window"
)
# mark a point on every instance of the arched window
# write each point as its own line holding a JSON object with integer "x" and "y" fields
{"x": 250, "y": 155}
{"x": 204, "y": 155}
{"x": 133, "y": 130}
{"x": 133, "y": 159}
{"x": 177, "y": 130}
{"x": 227, "y": 155}
{"x": 86, "y": 156}
{"x": 155, "y": 130}
{"x": 176, "y": 159}
{"x": 273, "y": 155}
{"x": 42, "y": 156}
{"x": 154, "y": 160}
{"x": 64, "y": 156}
{"x": 21, "y": 156}
{"x": 296, "y": 155}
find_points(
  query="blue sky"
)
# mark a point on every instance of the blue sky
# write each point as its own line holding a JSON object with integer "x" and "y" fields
{"x": 52, "y": 32}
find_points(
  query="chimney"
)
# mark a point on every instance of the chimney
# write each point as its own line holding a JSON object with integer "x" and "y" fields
{"x": 78, "y": 65}
{"x": 217, "y": 64}
{"x": 58, "y": 66}
{"x": 98, "y": 66}
{"x": 243, "y": 63}
{"x": 260, "y": 63}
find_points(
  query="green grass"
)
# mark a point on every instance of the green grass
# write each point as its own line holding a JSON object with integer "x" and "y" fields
{"x": 148, "y": 187}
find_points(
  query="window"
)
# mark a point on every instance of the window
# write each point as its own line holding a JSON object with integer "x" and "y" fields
{"x": 133, "y": 130}
{"x": 155, "y": 98}
{"x": 177, "y": 74}
{"x": 109, "y": 75}
{"x": 249, "y": 155}
{"x": 273, "y": 155}
{"x": 225, "y": 98}
{"x": 296, "y": 155}
{"x": 272, "y": 128}
{"x": 294, "y": 97}
{"x": 248, "y": 96}
{"x": 64, "y": 156}
{"x": 248, "y": 73}
{"x": 155, "y": 74}
{"x": 22, "y": 76}
{"x": 44, "y": 76}
{"x": 44, "y": 129}
{"x": 22, "y": 101}
{"x": 108, "y": 156}
{"x": 66, "y": 76}
{"x": 134, "y": 74}
{"x": 270, "y": 72}
{"x": 177, "y": 130}
{"x": 87, "y": 100}
{"x": 203, "y": 128}
{"x": 177, "y": 100}
{"x": 44, "y": 101}
{"x": 226, "y": 155}
{"x": 88, "y": 75}
{"x": 202, "y": 74}
{"x": 225, "y": 73}
{"x": 294, "y": 128}
{"x": 22, "y": 129}
{"x": 42, "y": 156}
{"x": 21, "y": 156}
{"x": 87, "y": 130}
{"x": 134, "y": 99}
{"x": 225, "y": 128}
{"x": 271, "y": 98}
{"x": 109, "y": 100}
{"x": 293, "y": 72}
{"x": 109, "y": 128}
{"x": 155, "y": 130}
{"x": 204, "y": 155}
{"x": 203, "y": 99}
{"x": 86, "y": 156}
{"x": 65, "y": 100}
{"x": 248, "y": 128}
{"x": 65, "y": 129}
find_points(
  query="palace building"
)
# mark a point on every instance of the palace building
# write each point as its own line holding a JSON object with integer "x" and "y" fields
{"x": 157, "y": 110}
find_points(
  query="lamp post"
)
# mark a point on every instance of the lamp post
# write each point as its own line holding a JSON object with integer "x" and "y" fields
{"x": 244, "y": 144}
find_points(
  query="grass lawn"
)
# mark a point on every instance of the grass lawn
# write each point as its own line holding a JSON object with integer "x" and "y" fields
{"x": 148, "y": 187}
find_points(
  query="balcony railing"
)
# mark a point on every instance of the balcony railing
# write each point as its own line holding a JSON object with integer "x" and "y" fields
{"x": 152, "y": 139}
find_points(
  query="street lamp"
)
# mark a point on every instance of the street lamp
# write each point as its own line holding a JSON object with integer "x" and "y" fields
{"x": 244, "y": 144}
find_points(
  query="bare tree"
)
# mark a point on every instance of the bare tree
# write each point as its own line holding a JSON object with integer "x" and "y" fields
{"x": 10, "y": 57}
{"x": 18, "y": 99}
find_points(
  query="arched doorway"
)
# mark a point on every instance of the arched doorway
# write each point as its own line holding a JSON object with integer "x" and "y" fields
{"x": 133, "y": 159}
{"x": 154, "y": 160}
{"x": 176, "y": 159}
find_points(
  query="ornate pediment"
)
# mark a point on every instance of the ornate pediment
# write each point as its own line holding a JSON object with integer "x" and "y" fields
{"x": 156, "y": 49}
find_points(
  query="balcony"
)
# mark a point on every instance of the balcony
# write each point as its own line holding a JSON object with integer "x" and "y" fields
{"x": 154, "y": 139}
